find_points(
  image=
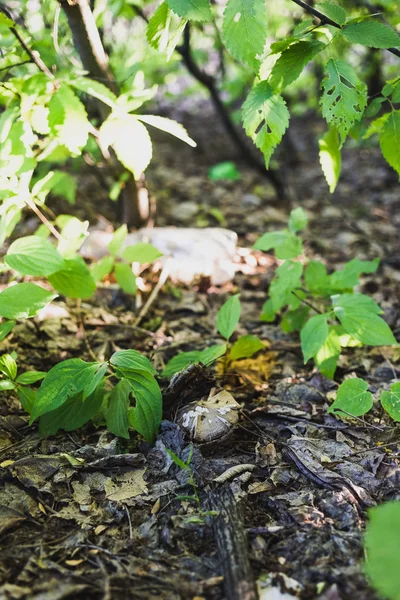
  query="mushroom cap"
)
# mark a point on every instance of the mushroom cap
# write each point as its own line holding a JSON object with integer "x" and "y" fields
{"x": 211, "y": 418}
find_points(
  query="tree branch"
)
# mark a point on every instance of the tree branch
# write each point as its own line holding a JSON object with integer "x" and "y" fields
{"x": 328, "y": 21}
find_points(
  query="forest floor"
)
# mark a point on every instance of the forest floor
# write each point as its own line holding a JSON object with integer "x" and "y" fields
{"x": 86, "y": 515}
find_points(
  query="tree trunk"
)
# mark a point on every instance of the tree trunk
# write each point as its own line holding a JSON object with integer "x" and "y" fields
{"x": 87, "y": 41}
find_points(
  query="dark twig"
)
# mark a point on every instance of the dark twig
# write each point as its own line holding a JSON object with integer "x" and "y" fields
{"x": 327, "y": 21}
{"x": 24, "y": 62}
{"x": 35, "y": 56}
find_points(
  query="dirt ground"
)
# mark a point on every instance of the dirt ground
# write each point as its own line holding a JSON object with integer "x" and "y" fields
{"x": 86, "y": 515}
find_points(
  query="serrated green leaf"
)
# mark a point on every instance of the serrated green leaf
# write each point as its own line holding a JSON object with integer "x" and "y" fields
{"x": 72, "y": 414}
{"x": 94, "y": 88}
{"x": 390, "y": 401}
{"x": 8, "y": 366}
{"x": 244, "y": 30}
{"x": 316, "y": 278}
{"x": 228, "y": 316}
{"x": 125, "y": 277}
{"x": 164, "y": 30}
{"x": 130, "y": 140}
{"x": 348, "y": 277}
{"x": 265, "y": 118}
{"x": 33, "y": 255}
{"x": 382, "y": 549}
{"x": 358, "y": 315}
{"x": 66, "y": 379}
{"x": 353, "y": 397}
{"x": 118, "y": 239}
{"x": 102, "y": 267}
{"x": 372, "y": 34}
{"x": 327, "y": 356}
{"x": 180, "y": 361}
{"x": 117, "y": 410}
{"x": 330, "y": 157}
{"x": 297, "y": 220}
{"x": 287, "y": 279}
{"x": 68, "y": 120}
{"x": 74, "y": 280}
{"x": 195, "y": 10}
{"x": 169, "y": 126}
{"x": 292, "y": 61}
{"x": 313, "y": 335}
{"x": 30, "y": 377}
{"x": 146, "y": 416}
{"x": 245, "y": 347}
{"x": 141, "y": 252}
{"x": 390, "y": 140}
{"x": 344, "y": 97}
{"x": 133, "y": 360}
{"x": 284, "y": 243}
{"x": 374, "y": 106}
{"x": 5, "y": 328}
{"x": 376, "y": 126}
{"x": 212, "y": 353}
{"x": 23, "y": 300}
{"x": 332, "y": 11}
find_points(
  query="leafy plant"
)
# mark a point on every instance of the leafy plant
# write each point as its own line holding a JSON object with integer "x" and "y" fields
{"x": 353, "y": 399}
{"x": 323, "y": 307}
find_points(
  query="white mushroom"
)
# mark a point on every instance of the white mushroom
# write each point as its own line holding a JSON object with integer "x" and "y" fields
{"x": 211, "y": 418}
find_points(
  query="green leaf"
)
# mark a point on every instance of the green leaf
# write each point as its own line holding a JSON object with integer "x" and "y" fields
{"x": 130, "y": 140}
{"x": 316, "y": 278}
{"x": 226, "y": 170}
{"x": 313, "y": 336}
{"x": 68, "y": 378}
{"x": 244, "y": 30}
{"x": 330, "y": 157}
{"x": 353, "y": 397}
{"x": 96, "y": 381}
{"x": 287, "y": 279}
{"x": 146, "y": 416}
{"x": 297, "y": 220}
{"x": 126, "y": 279}
{"x": 228, "y": 316}
{"x": 212, "y": 353}
{"x": 102, "y": 267}
{"x": 23, "y": 300}
{"x": 245, "y": 347}
{"x": 372, "y": 34}
{"x": 332, "y": 11}
{"x": 180, "y": 361}
{"x": 73, "y": 234}
{"x": 358, "y": 315}
{"x": 294, "y": 320}
{"x": 6, "y": 21}
{"x": 382, "y": 549}
{"x": 95, "y": 89}
{"x": 284, "y": 243}
{"x": 164, "y": 30}
{"x": 142, "y": 253}
{"x": 30, "y": 377}
{"x": 195, "y": 10}
{"x": 390, "y": 140}
{"x": 348, "y": 276}
{"x": 268, "y": 314}
{"x": 132, "y": 359}
{"x": 376, "y": 126}
{"x": 169, "y": 126}
{"x": 117, "y": 240}
{"x": 327, "y": 356}
{"x": 344, "y": 97}
{"x": 391, "y": 401}
{"x": 8, "y": 366}
{"x": 117, "y": 410}
{"x": 5, "y": 329}
{"x": 74, "y": 413}
{"x": 292, "y": 61}
{"x": 74, "y": 280}
{"x": 374, "y": 106}
{"x": 53, "y": 181}
{"x": 265, "y": 118}
{"x": 27, "y": 397}
{"x": 33, "y": 255}
{"x": 6, "y": 385}
{"x": 68, "y": 119}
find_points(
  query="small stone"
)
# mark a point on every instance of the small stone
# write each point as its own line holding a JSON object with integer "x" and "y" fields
{"x": 251, "y": 200}
{"x": 185, "y": 211}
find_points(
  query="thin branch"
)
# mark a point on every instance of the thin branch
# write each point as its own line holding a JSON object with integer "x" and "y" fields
{"x": 307, "y": 303}
{"x": 35, "y": 56}
{"x": 24, "y": 62}
{"x": 327, "y": 21}
{"x": 44, "y": 220}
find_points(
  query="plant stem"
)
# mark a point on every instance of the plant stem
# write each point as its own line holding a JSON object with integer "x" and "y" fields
{"x": 317, "y": 310}
{"x": 44, "y": 220}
